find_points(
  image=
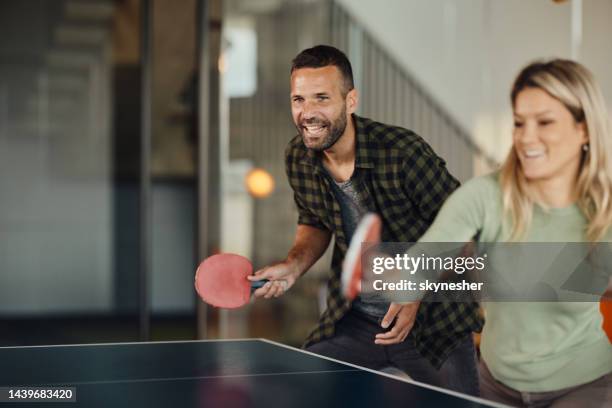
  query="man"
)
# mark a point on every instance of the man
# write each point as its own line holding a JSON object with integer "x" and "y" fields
{"x": 341, "y": 166}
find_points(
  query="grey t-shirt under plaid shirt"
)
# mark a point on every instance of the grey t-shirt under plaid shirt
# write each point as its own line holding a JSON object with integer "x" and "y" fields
{"x": 353, "y": 209}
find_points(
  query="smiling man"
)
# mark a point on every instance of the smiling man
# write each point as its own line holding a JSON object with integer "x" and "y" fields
{"x": 341, "y": 166}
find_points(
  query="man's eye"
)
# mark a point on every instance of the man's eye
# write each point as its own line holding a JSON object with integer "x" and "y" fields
{"x": 518, "y": 124}
{"x": 545, "y": 122}
{"x": 322, "y": 98}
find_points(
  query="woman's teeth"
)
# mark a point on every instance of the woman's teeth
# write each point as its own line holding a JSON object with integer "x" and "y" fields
{"x": 531, "y": 154}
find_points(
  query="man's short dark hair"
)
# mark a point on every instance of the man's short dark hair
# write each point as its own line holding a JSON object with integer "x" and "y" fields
{"x": 322, "y": 56}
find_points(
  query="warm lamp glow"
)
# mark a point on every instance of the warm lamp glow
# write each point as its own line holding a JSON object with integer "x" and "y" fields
{"x": 259, "y": 183}
{"x": 222, "y": 64}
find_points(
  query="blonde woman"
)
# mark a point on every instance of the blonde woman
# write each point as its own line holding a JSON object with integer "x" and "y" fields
{"x": 555, "y": 186}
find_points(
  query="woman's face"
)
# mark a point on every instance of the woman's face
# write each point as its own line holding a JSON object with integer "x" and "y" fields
{"x": 547, "y": 139}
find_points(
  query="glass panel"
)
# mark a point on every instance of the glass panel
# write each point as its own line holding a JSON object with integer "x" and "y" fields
{"x": 260, "y": 38}
{"x": 69, "y": 160}
{"x": 173, "y": 161}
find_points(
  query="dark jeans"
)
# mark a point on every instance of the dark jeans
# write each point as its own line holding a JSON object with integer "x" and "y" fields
{"x": 353, "y": 342}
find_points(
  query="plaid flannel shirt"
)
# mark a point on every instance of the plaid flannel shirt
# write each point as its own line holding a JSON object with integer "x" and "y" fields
{"x": 405, "y": 182}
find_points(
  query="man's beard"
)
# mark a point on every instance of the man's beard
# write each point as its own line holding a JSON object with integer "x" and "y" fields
{"x": 334, "y": 129}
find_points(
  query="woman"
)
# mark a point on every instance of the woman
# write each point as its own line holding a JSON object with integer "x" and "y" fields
{"x": 555, "y": 186}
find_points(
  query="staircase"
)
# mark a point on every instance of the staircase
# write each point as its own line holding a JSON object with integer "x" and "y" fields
{"x": 389, "y": 94}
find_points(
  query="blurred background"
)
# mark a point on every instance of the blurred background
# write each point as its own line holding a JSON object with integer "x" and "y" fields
{"x": 138, "y": 137}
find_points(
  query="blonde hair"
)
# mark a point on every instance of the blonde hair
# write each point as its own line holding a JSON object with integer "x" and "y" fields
{"x": 574, "y": 86}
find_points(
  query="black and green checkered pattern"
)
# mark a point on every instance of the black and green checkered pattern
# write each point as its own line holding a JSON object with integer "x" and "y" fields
{"x": 405, "y": 182}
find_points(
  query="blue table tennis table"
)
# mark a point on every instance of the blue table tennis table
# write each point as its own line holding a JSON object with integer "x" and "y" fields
{"x": 223, "y": 373}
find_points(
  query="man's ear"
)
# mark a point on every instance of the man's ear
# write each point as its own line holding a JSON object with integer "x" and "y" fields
{"x": 352, "y": 100}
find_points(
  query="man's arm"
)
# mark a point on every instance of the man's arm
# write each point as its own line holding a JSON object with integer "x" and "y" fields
{"x": 311, "y": 238}
{"x": 309, "y": 245}
{"x": 428, "y": 182}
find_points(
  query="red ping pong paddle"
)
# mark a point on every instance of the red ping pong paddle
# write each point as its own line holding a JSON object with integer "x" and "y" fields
{"x": 368, "y": 230}
{"x": 221, "y": 281}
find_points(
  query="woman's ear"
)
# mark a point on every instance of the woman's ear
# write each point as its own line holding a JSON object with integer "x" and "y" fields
{"x": 584, "y": 132}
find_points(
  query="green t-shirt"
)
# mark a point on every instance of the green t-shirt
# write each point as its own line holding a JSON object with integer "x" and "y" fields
{"x": 528, "y": 346}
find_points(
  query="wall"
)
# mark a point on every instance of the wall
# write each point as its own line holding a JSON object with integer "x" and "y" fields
{"x": 467, "y": 52}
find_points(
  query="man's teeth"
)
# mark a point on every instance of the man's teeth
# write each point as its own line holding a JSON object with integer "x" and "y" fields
{"x": 534, "y": 153}
{"x": 314, "y": 128}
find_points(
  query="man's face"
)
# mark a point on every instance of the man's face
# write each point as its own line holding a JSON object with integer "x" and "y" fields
{"x": 318, "y": 107}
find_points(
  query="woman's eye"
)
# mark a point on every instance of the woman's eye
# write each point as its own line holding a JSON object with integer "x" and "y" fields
{"x": 518, "y": 124}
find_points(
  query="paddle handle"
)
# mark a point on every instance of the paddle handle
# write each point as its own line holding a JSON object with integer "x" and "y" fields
{"x": 258, "y": 284}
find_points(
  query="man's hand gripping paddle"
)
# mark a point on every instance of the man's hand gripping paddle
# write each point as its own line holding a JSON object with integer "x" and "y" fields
{"x": 221, "y": 281}
{"x": 368, "y": 230}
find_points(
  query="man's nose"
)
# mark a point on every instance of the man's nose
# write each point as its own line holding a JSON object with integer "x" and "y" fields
{"x": 308, "y": 110}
